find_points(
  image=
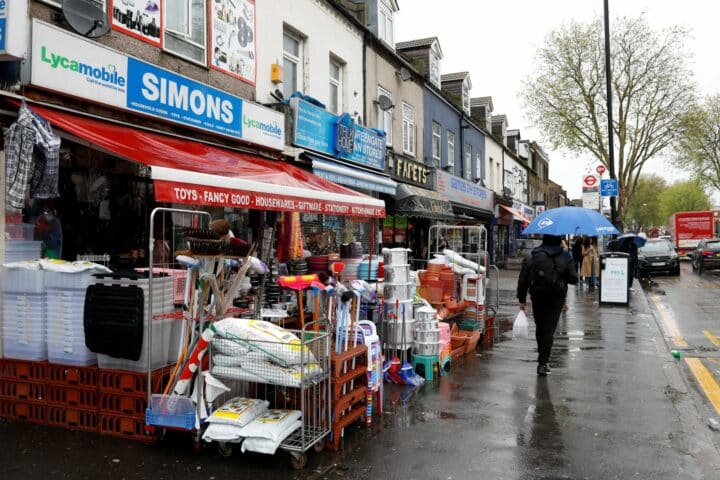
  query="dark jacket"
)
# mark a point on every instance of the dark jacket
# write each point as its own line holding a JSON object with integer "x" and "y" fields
{"x": 564, "y": 263}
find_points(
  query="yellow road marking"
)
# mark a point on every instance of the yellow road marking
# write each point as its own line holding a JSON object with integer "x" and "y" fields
{"x": 706, "y": 381}
{"x": 715, "y": 340}
{"x": 669, "y": 322}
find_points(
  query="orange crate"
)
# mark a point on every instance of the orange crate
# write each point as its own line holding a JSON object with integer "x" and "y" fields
{"x": 123, "y": 427}
{"x": 24, "y": 391}
{"x": 23, "y": 370}
{"x": 23, "y": 411}
{"x": 83, "y": 377}
{"x": 125, "y": 382}
{"x": 116, "y": 404}
{"x": 72, "y": 397}
{"x": 72, "y": 418}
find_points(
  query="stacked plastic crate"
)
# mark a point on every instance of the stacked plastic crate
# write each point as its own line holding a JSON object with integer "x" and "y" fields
{"x": 72, "y": 397}
{"x": 23, "y": 391}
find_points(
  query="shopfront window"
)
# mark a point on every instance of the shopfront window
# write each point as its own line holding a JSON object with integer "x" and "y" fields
{"x": 185, "y": 33}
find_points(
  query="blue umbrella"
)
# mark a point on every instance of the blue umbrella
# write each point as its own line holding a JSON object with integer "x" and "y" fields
{"x": 570, "y": 221}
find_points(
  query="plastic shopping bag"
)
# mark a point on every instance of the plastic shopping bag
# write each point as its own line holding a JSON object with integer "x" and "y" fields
{"x": 520, "y": 327}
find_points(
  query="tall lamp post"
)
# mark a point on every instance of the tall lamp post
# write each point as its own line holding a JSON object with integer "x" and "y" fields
{"x": 608, "y": 84}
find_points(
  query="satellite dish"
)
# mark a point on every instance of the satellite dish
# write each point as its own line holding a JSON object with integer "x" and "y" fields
{"x": 405, "y": 74}
{"x": 86, "y": 18}
{"x": 384, "y": 102}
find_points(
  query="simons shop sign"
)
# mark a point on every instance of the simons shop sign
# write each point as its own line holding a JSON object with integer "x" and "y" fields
{"x": 65, "y": 62}
{"x": 464, "y": 193}
{"x": 320, "y": 131}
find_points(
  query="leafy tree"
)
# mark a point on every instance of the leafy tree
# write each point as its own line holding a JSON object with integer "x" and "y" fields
{"x": 643, "y": 206}
{"x": 698, "y": 145}
{"x": 684, "y": 196}
{"x": 651, "y": 83}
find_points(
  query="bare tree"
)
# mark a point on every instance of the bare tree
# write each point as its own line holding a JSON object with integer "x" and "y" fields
{"x": 698, "y": 146}
{"x": 652, "y": 86}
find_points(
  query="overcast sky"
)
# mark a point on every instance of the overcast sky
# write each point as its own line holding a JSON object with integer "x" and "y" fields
{"x": 512, "y": 31}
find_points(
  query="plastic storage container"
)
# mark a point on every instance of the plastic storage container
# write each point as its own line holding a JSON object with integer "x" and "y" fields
{"x": 24, "y": 326}
{"x": 172, "y": 411}
{"x": 160, "y": 349}
{"x": 65, "y": 330}
{"x": 20, "y": 231}
{"x": 23, "y": 280}
{"x": 20, "y": 250}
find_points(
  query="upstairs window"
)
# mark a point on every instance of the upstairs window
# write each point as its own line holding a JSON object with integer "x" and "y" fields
{"x": 450, "y": 149}
{"x": 408, "y": 113}
{"x": 292, "y": 63}
{"x": 385, "y": 117}
{"x": 185, "y": 29}
{"x": 478, "y": 166}
{"x": 336, "y": 91}
{"x": 436, "y": 140}
{"x": 386, "y": 27}
{"x": 467, "y": 166}
{"x": 466, "y": 97}
{"x": 435, "y": 69}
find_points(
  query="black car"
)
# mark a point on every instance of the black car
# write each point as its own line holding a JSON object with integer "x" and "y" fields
{"x": 706, "y": 256}
{"x": 658, "y": 255}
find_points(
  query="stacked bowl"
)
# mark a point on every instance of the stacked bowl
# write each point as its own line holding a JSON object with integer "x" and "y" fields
{"x": 427, "y": 332}
{"x": 398, "y": 293}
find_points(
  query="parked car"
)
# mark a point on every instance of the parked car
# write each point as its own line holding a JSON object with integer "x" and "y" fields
{"x": 658, "y": 255}
{"x": 706, "y": 256}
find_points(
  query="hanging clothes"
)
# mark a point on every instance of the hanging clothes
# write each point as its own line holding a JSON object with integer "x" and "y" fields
{"x": 46, "y": 172}
{"x": 19, "y": 144}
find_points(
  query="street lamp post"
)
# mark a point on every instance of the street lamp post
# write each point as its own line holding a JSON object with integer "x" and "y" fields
{"x": 608, "y": 84}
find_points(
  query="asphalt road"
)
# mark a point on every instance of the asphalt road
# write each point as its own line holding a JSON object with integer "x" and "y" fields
{"x": 616, "y": 406}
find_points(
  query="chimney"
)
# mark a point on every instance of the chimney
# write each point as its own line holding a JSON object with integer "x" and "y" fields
{"x": 499, "y": 128}
{"x": 481, "y": 111}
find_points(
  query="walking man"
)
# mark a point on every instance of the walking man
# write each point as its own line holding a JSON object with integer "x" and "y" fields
{"x": 546, "y": 273}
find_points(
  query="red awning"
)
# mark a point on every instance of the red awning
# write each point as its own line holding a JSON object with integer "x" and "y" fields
{"x": 517, "y": 215}
{"x": 194, "y": 173}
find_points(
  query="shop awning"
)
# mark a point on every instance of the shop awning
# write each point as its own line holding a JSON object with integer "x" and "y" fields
{"x": 351, "y": 176}
{"x": 476, "y": 213}
{"x": 420, "y": 202}
{"x": 194, "y": 173}
{"x": 516, "y": 214}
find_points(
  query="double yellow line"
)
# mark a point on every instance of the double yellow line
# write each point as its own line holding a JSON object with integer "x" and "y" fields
{"x": 704, "y": 377}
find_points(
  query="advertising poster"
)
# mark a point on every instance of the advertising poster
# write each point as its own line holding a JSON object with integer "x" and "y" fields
{"x": 387, "y": 231}
{"x": 232, "y": 38}
{"x": 614, "y": 280}
{"x": 141, "y": 19}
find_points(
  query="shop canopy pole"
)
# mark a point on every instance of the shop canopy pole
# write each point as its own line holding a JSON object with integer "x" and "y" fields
{"x": 372, "y": 246}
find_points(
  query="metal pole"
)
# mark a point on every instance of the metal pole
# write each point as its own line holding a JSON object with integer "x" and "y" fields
{"x": 608, "y": 82}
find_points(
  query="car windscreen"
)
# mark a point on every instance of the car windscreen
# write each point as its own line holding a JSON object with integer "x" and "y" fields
{"x": 655, "y": 248}
{"x": 714, "y": 246}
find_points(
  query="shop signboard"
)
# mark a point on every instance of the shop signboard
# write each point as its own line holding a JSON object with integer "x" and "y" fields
{"x": 316, "y": 129}
{"x": 232, "y": 39}
{"x": 65, "y": 62}
{"x": 345, "y": 138}
{"x": 3, "y": 18}
{"x": 614, "y": 279}
{"x": 144, "y": 23}
{"x": 465, "y": 193}
{"x": 409, "y": 171}
{"x": 13, "y": 25}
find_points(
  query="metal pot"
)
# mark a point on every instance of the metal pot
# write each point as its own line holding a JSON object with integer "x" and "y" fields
{"x": 425, "y": 325}
{"x": 427, "y": 349}
{"x": 427, "y": 336}
{"x": 395, "y": 256}
{"x": 395, "y": 311}
{"x": 398, "y": 291}
{"x": 396, "y": 273}
{"x": 425, "y": 314}
{"x": 395, "y": 332}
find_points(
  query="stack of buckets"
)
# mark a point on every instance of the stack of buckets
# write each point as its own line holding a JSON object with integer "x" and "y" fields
{"x": 473, "y": 292}
{"x": 397, "y": 295}
{"x": 427, "y": 332}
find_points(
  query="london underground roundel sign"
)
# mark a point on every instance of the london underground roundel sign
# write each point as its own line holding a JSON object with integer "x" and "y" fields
{"x": 590, "y": 180}
{"x": 600, "y": 169}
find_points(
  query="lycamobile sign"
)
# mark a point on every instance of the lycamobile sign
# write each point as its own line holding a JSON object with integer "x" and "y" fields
{"x": 71, "y": 64}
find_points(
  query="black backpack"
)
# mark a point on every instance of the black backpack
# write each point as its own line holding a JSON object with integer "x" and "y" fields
{"x": 544, "y": 274}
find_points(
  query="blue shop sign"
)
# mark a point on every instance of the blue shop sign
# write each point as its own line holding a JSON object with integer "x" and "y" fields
{"x": 317, "y": 130}
{"x": 3, "y": 30}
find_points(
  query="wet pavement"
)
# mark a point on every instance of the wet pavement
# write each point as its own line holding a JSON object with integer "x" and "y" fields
{"x": 616, "y": 405}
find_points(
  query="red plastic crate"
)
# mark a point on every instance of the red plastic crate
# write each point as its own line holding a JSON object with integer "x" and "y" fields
{"x": 116, "y": 404}
{"x": 24, "y": 411}
{"x": 124, "y": 427}
{"x": 23, "y": 370}
{"x": 23, "y": 391}
{"x": 72, "y": 397}
{"x": 72, "y": 418}
{"x": 83, "y": 377}
{"x": 132, "y": 383}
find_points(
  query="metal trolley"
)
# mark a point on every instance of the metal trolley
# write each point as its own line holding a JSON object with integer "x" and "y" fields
{"x": 304, "y": 386}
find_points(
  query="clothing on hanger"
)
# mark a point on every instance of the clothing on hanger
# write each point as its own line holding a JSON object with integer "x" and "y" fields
{"x": 19, "y": 144}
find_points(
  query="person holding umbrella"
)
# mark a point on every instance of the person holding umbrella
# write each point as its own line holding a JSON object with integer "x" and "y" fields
{"x": 545, "y": 274}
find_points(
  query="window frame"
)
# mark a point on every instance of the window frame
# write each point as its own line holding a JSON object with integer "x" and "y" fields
{"x": 466, "y": 97}
{"x": 385, "y": 14}
{"x": 408, "y": 122}
{"x": 450, "y": 145}
{"x": 436, "y": 143}
{"x": 337, "y": 83}
{"x": 478, "y": 165}
{"x": 467, "y": 161}
{"x": 385, "y": 115}
{"x": 435, "y": 77}
{"x": 181, "y": 36}
{"x": 296, "y": 59}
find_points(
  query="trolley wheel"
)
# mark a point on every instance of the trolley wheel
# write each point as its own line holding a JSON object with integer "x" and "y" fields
{"x": 319, "y": 446}
{"x": 225, "y": 449}
{"x": 298, "y": 461}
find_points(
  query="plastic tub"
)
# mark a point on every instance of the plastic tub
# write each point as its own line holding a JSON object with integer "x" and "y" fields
{"x": 68, "y": 281}
{"x": 32, "y": 351}
{"x": 160, "y": 350}
{"x": 397, "y": 273}
{"x": 426, "y": 349}
{"x": 21, "y": 280}
{"x": 427, "y": 336}
{"x": 398, "y": 291}
{"x": 20, "y": 231}
{"x": 172, "y": 411}
{"x": 395, "y": 332}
